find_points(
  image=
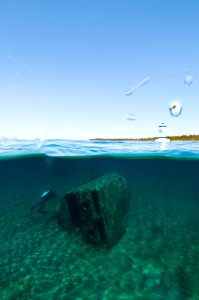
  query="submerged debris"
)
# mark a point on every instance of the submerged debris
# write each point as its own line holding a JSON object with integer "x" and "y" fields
{"x": 97, "y": 208}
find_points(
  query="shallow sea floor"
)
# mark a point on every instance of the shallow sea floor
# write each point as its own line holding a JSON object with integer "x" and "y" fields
{"x": 157, "y": 257}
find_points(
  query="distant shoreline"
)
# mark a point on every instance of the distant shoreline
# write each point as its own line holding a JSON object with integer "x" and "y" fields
{"x": 151, "y": 139}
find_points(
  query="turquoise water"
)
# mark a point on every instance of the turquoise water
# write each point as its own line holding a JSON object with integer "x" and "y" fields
{"x": 90, "y": 148}
{"x": 156, "y": 257}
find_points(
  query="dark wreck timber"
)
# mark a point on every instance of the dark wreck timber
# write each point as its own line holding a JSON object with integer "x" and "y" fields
{"x": 97, "y": 208}
{"x": 151, "y": 139}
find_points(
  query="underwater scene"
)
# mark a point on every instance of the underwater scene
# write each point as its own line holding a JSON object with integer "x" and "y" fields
{"x": 98, "y": 226}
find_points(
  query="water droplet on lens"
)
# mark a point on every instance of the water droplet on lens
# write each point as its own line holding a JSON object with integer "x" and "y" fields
{"x": 175, "y": 108}
{"x": 138, "y": 85}
{"x": 188, "y": 80}
{"x": 131, "y": 117}
{"x": 186, "y": 70}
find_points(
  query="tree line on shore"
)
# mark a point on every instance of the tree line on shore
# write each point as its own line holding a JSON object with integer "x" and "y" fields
{"x": 191, "y": 137}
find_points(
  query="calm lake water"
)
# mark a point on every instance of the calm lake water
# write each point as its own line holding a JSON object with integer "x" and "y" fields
{"x": 91, "y": 148}
{"x": 157, "y": 257}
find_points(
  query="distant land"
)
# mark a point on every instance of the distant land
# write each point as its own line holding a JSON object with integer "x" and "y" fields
{"x": 150, "y": 139}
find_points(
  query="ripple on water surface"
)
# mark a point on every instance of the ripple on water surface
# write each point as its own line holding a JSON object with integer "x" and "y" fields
{"x": 130, "y": 149}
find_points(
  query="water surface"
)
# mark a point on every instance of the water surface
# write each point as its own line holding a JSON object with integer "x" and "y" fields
{"x": 156, "y": 258}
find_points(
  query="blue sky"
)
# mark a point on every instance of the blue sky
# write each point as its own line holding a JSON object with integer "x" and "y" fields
{"x": 65, "y": 67}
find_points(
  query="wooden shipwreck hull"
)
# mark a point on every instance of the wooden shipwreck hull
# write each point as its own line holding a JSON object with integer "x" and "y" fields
{"x": 97, "y": 207}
